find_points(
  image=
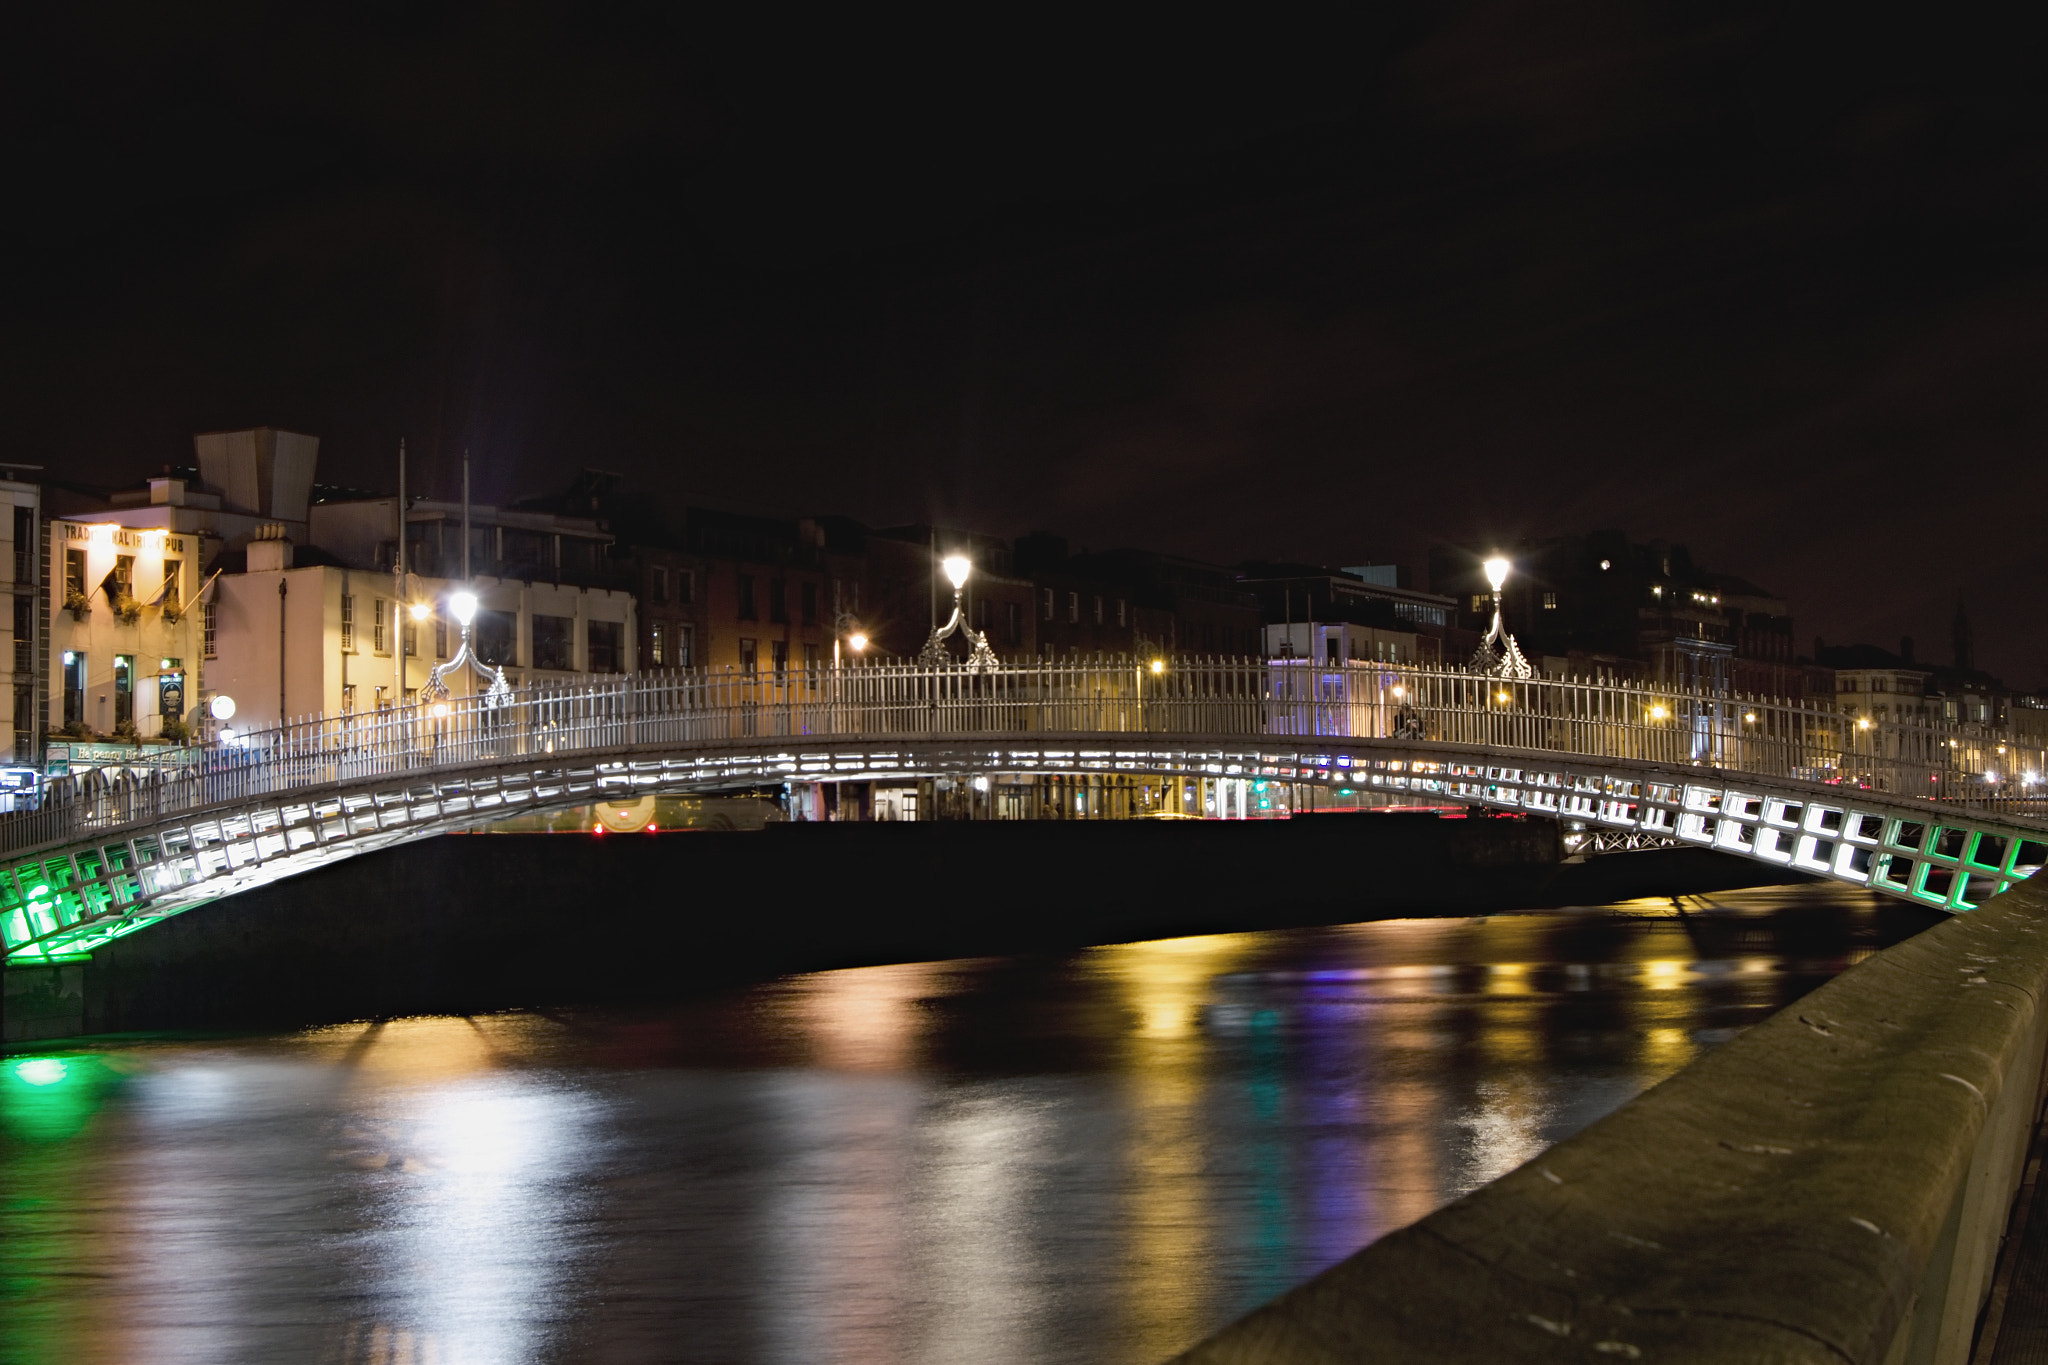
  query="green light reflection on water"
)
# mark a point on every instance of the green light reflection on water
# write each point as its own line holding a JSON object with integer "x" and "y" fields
{"x": 46, "y": 1104}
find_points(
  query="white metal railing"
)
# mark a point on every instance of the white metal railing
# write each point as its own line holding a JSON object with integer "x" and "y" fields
{"x": 1204, "y": 698}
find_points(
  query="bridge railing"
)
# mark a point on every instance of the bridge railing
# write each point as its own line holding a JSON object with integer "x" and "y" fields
{"x": 1115, "y": 700}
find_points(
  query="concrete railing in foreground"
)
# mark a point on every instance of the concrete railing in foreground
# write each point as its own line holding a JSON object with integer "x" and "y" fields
{"x": 1830, "y": 1187}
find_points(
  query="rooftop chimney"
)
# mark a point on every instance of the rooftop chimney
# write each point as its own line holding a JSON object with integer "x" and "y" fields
{"x": 270, "y": 550}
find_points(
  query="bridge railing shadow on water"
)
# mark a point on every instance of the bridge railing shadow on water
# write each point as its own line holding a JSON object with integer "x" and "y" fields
{"x": 1115, "y": 699}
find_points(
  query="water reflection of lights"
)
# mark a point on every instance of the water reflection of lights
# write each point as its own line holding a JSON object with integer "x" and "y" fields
{"x": 439, "y": 1231}
{"x": 865, "y": 1018}
{"x": 1170, "y": 1227}
{"x": 479, "y": 1234}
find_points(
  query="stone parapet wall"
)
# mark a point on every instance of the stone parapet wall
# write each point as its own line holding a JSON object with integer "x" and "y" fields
{"x": 1829, "y": 1187}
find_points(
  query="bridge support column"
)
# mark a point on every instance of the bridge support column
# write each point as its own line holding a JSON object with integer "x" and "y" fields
{"x": 42, "y": 1002}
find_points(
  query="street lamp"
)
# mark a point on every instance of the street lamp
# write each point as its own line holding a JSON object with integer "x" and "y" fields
{"x": 462, "y": 606}
{"x": 1498, "y": 653}
{"x": 957, "y": 568}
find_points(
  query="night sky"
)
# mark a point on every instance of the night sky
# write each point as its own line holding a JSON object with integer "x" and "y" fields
{"x": 1764, "y": 280}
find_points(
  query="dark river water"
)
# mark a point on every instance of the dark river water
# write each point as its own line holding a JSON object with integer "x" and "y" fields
{"x": 1095, "y": 1157}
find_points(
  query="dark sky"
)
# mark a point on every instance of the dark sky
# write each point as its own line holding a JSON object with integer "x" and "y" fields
{"x": 1766, "y": 280}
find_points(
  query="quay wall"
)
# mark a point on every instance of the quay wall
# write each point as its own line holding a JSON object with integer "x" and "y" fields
{"x": 1832, "y": 1186}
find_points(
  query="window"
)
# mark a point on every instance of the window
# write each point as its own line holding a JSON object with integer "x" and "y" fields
{"x": 811, "y": 657}
{"x": 74, "y": 687}
{"x": 1120, "y": 613}
{"x": 383, "y": 699}
{"x": 409, "y": 632}
{"x": 348, "y": 698}
{"x": 124, "y": 689}
{"x": 24, "y": 550}
{"x": 749, "y": 655}
{"x": 440, "y": 636}
{"x": 686, "y": 585}
{"x": 173, "y": 592}
{"x": 657, "y": 645}
{"x": 124, "y": 576}
{"x": 778, "y": 601}
{"x": 24, "y": 632}
{"x": 746, "y": 585}
{"x": 810, "y": 604}
{"x": 1073, "y": 609}
{"x": 686, "y": 646}
{"x": 606, "y": 642}
{"x": 778, "y": 650}
{"x": 496, "y": 637}
{"x": 554, "y": 644}
{"x": 1046, "y": 604}
{"x": 209, "y": 617}
{"x": 1550, "y": 601}
{"x": 74, "y": 573}
{"x": 348, "y": 623}
{"x": 1098, "y": 609}
{"x": 1479, "y": 601}
{"x": 377, "y": 638}
{"x": 660, "y": 581}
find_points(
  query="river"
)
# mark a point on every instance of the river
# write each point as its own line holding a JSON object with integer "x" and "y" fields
{"x": 1098, "y": 1156}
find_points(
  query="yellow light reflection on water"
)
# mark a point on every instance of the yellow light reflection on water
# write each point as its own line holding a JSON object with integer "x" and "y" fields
{"x": 1162, "y": 987}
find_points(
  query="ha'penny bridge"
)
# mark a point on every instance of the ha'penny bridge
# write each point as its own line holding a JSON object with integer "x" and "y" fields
{"x": 1831, "y": 1186}
{"x": 1935, "y": 814}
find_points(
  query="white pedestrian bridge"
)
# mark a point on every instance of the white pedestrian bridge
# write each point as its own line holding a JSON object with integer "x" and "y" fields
{"x": 1939, "y": 814}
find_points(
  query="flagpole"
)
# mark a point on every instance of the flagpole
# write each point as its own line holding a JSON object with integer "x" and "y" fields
{"x": 398, "y": 568}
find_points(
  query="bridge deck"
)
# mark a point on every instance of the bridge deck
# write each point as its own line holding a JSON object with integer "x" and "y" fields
{"x": 1904, "y": 810}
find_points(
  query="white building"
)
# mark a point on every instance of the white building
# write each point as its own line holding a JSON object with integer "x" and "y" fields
{"x": 126, "y": 638}
{"x": 295, "y": 639}
{"x": 1340, "y": 642}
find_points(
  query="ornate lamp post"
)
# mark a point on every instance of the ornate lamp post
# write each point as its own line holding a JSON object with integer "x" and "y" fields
{"x": 462, "y": 606}
{"x": 1498, "y": 653}
{"x": 982, "y": 658}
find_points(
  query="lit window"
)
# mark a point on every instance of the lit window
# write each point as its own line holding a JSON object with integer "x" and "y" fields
{"x": 1479, "y": 601}
{"x": 208, "y": 618}
{"x": 1120, "y": 612}
{"x": 1047, "y": 604}
{"x": 377, "y": 627}
{"x": 1550, "y": 601}
{"x": 348, "y": 623}
{"x": 657, "y": 650}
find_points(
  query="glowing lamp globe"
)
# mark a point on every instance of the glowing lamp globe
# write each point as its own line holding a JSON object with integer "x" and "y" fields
{"x": 957, "y": 568}
{"x": 1497, "y": 571}
{"x": 858, "y": 641}
{"x": 420, "y": 610}
{"x": 222, "y": 707}
{"x": 463, "y": 605}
